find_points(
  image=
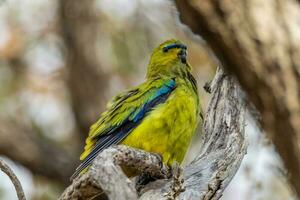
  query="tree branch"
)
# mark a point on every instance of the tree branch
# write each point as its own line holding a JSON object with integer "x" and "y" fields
{"x": 14, "y": 179}
{"x": 259, "y": 43}
{"x": 106, "y": 173}
{"x": 221, "y": 152}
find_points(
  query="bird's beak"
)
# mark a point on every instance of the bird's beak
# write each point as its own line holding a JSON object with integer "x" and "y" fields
{"x": 182, "y": 54}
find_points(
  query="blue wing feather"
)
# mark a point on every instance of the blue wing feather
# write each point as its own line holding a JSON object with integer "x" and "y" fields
{"x": 158, "y": 96}
{"x": 116, "y": 134}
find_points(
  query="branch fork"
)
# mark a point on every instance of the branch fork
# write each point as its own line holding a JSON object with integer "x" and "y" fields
{"x": 221, "y": 151}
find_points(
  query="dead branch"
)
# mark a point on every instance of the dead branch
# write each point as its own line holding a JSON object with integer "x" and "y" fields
{"x": 106, "y": 173}
{"x": 14, "y": 179}
{"x": 258, "y": 41}
{"x": 221, "y": 153}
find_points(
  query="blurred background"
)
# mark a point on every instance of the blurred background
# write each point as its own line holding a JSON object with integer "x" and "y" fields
{"x": 60, "y": 62}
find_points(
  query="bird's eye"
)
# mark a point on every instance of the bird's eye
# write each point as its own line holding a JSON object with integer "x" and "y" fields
{"x": 174, "y": 46}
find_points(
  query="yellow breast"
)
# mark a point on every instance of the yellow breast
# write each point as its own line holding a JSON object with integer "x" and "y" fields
{"x": 168, "y": 129}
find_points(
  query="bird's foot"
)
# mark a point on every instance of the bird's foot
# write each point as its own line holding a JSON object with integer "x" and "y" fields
{"x": 143, "y": 180}
{"x": 166, "y": 172}
{"x": 176, "y": 186}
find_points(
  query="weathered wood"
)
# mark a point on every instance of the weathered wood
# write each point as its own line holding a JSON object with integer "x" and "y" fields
{"x": 258, "y": 41}
{"x": 106, "y": 174}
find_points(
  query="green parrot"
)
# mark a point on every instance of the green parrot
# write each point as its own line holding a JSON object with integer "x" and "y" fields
{"x": 159, "y": 116}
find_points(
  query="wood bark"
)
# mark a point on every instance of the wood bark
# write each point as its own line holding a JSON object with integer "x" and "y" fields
{"x": 106, "y": 174}
{"x": 258, "y": 41}
{"x": 220, "y": 154}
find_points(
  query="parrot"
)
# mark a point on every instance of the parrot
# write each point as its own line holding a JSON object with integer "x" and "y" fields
{"x": 159, "y": 116}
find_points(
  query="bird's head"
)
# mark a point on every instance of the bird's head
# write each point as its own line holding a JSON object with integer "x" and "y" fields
{"x": 169, "y": 58}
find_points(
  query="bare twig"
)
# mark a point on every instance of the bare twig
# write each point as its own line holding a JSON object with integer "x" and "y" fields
{"x": 14, "y": 179}
{"x": 222, "y": 150}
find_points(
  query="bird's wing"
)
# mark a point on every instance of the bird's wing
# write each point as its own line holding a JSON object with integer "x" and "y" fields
{"x": 123, "y": 114}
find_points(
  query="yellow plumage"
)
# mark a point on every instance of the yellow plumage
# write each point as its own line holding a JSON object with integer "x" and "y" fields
{"x": 159, "y": 116}
{"x": 169, "y": 128}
